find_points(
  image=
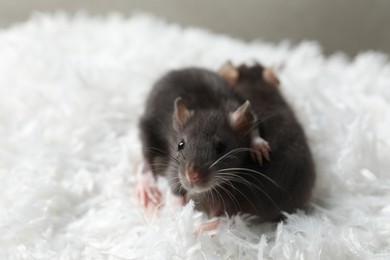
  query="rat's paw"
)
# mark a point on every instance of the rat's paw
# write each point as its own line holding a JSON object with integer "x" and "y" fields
{"x": 261, "y": 149}
{"x": 178, "y": 200}
{"x": 210, "y": 227}
{"x": 147, "y": 194}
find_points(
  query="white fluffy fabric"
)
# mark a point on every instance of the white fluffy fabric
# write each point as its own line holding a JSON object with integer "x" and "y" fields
{"x": 71, "y": 92}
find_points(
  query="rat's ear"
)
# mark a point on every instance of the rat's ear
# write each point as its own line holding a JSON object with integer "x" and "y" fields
{"x": 242, "y": 119}
{"x": 229, "y": 73}
{"x": 270, "y": 78}
{"x": 181, "y": 114}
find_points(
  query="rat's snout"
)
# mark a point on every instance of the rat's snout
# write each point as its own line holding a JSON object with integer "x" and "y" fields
{"x": 195, "y": 179}
{"x": 192, "y": 175}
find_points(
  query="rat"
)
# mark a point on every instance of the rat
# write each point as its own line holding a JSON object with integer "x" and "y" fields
{"x": 202, "y": 131}
{"x": 290, "y": 167}
{"x": 192, "y": 118}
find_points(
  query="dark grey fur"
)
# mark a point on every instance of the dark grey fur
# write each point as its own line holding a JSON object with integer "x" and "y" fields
{"x": 291, "y": 165}
{"x": 211, "y": 99}
{"x": 283, "y": 184}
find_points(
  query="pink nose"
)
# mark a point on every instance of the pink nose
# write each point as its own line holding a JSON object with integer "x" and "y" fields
{"x": 192, "y": 176}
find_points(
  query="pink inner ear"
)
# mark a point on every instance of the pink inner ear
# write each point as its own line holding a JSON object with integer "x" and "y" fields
{"x": 229, "y": 73}
{"x": 270, "y": 78}
{"x": 181, "y": 114}
{"x": 242, "y": 118}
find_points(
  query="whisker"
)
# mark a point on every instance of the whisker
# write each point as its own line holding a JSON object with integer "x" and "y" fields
{"x": 234, "y": 151}
{"x": 239, "y": 191}
{"x": 252, "y": 171}
{"x": 239, "y": 179}
{"x": 258, "y": 122}
{"x": 238, "y": 175}
{"x": 231, "y": 196}
{"x": 162, "y": 152}
{"x": 213, "y": 183}
{"x": 232, "y": 156}
{"x": 223, "y": 201}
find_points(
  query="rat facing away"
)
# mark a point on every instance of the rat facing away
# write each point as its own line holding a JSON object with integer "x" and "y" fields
{"x": 291, "y": 164}
{"x": 202, "y": 132}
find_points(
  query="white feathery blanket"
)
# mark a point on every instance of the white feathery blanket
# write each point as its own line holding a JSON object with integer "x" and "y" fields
{"x": 71, "y": 92}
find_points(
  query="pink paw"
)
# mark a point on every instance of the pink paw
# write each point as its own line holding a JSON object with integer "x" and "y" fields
{"x": 210, "y": 227}
{"x": 178, "y": 200}
{"x": 261, "y": 149}
{"x": 147, "y": 191}
{"x": 147, "y": 194}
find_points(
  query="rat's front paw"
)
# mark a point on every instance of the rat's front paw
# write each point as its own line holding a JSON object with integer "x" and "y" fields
{"x": 147, "y": 194}
{"x": 260, "y": 149}
{"x": 178, "y": 200}
{"x": 209, "y": 227}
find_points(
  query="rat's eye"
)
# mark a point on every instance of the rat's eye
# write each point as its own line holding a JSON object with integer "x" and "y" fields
{"x": 181, "y": 145}
{"x": 220, "y": 148}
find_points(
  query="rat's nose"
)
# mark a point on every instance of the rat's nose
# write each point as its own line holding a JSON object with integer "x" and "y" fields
{"x": 192, "y": 176}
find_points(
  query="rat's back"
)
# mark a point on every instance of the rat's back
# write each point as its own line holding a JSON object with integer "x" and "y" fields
{"x": 284, "y": 183}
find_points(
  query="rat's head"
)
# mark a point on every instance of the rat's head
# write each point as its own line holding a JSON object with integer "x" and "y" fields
{"x": 207, "y": 141}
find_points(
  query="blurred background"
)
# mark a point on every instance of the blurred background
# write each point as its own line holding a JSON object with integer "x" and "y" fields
{"x": 350, "y": 26}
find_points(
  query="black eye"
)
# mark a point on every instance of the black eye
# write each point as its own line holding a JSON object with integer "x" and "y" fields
{"x": 181, "y": 145}
{"x": 220, "y": 148}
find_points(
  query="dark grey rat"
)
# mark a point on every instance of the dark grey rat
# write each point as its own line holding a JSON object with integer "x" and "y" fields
{"x": 290, "y": 164}
{"x": 201, "y": 133}
{"x": 192, "y": 118}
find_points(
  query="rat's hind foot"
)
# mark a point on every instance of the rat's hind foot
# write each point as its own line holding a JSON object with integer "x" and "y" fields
{"x": 260, "y": 149}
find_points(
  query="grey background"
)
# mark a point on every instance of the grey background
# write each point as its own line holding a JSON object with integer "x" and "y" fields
{"x": 339, "y": 25}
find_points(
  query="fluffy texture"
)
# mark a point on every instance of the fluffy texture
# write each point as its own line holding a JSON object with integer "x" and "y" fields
{"x": 71, "y": 92}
